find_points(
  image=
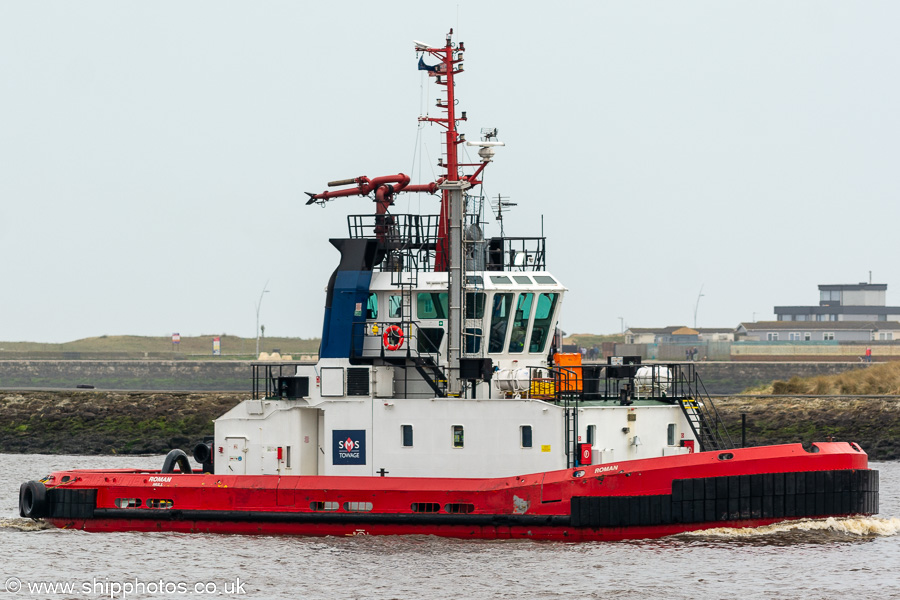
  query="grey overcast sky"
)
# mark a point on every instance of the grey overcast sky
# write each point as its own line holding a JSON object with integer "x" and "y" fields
{"x": 154, "y": 155}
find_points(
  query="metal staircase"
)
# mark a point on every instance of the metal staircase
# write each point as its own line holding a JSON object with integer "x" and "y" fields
{"x": 701, "y": 413}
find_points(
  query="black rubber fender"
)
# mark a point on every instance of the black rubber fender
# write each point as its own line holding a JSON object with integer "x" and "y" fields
{"x": 203, "y": 452}
{"x": 179, "y": 458}
{"x": 33, "y": 502}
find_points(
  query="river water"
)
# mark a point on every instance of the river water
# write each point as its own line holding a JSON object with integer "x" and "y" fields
{"x": 809, "y": 560}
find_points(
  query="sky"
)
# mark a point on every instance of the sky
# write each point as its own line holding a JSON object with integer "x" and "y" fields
{"x": 154, "y": 156}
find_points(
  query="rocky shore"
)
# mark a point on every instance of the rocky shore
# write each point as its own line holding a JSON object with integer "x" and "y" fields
{"x": 102, "y": 422}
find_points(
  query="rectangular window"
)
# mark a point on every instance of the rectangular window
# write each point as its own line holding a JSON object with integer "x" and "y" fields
{"x": 287, "y": 457}
{"x": 545, "y": 280}
{"x": 474, "y": 280}
{"x": 828, "y": 335}
{"x": 475, "y": 305}
{"x": 432, "y": 305}
{"x": 501, "y": 279}
{"x": 772, "y": 337}
{"x": 458, "y": 436}
{"x": 794, "y": 336}
{"x": 406, "y": 435}
{"x": 523, "y": 279}
{"x": 500, "y": 311}
{"x": 591, "y": 434}
{"x": 520, "y": 323}
{"x": 525, "y": 435}
{"x": 472, "y": 336}
{"x": 543, "y": 316}
{"x": 670, "y": 435}
{"x": 395, "y": 307}
{"x": 372, "y": 306}
{"x": 806, "y": 336}
{"x": 885, "y": 335}
{"x": 428, "y": 339}
{"x": 803, "y": 317}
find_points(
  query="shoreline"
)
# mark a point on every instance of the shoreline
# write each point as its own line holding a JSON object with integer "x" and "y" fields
{"x": 98, "y": 422}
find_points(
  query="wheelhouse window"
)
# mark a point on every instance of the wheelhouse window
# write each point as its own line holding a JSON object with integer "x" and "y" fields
{"x": 543, "y": 317}
{"x": 591, "y": 434}
{"x": 431, "y": 305}
{"x": 500, "y": 310}
{"x": 395, "y": 307}
{"x": 472, "y": 337}
{"x": 474, "y": 305}
{"x": 525, "y": 435}
{"x": 501, "y": 279}
{"x": 406, "y": 435}
{"x": 520, "y": 323}
{"x": 458, "y": 436}
{"x": 429, "y": 339}
{"x": 372, "y": 306}
{"x": 544, "y": 280}
{"x": 523, "y": 279}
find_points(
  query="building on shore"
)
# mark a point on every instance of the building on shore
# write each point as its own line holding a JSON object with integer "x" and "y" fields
{"x": 844, "y": 302}
{"x": 819, "y": 331}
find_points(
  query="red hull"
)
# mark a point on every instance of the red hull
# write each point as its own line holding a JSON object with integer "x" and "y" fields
{"x": 634, "y": 499}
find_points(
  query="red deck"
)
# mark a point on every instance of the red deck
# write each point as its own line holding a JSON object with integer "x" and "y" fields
{"x": 536, "y": 506}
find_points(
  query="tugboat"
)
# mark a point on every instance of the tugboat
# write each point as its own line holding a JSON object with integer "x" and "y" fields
{"x": 440, "y": 404}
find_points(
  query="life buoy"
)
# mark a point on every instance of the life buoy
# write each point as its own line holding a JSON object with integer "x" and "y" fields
{"x": 392, "y": 338}
{"x": 33, "y": 500}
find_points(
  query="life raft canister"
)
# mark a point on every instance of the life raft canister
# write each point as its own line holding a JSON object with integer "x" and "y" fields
{"x": 392, "y": 338}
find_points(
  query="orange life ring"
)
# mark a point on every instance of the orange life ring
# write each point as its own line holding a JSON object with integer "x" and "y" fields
{"x": 392, "y": 334}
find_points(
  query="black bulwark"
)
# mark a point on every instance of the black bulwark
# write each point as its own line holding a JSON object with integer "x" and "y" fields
{"x": 736, "y": 497}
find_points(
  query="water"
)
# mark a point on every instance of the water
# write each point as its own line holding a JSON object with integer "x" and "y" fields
{"x": 808, "y": 560}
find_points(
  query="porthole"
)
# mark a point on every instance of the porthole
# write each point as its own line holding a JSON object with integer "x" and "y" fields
{"x": 358, "y": 506}
{"x": 459, "y": 508}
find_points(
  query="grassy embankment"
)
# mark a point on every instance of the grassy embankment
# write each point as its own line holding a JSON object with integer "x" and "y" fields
{"x": 133, "y": 346}
{"x": 816, "y": 408}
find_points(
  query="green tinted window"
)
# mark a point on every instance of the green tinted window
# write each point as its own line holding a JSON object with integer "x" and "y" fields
{"x": 520, "y": 323}
{"x": 500, "y": 310}
{"x": 372, "y": 306}
{"x": 543, "y": 317}
{"x": 432, "y": 305}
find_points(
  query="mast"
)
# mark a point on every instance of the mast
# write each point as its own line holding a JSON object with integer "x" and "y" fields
{"x": 449, "y": 255}
{"x": 385, "y": 188}
{"x": 444, "y": 73}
